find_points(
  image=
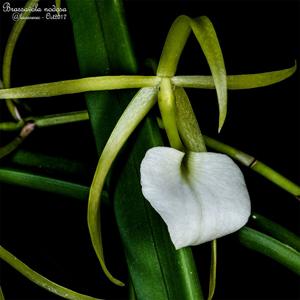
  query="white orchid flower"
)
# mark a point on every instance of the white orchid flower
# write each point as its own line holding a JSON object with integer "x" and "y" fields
{"x": 201, "y": 196}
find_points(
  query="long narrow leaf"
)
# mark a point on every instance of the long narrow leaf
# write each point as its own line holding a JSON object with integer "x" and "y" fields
{"x": 43, "y": 183}
{"x": 282, "y": 253}
{"x": 156, "y": 269}
{"x": 277, "y": 231}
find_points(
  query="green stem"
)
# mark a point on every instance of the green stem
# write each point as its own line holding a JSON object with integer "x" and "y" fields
{"x": 74, "y": 86}
{"x": 262, "y": 243}
{"x": 277, "y": 231}
{"x": 58, "y": 119}
{"x": 213, "y": 270}
{"x": 49, "y": 120}
{"x": 255, "y": 165}
{"x": 40, "y": 280}
{"x": 9, "y": 50}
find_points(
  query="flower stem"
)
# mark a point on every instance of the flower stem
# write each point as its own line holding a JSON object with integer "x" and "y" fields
{"x": 255, "y": 165}
{"x": 8, "y": 53}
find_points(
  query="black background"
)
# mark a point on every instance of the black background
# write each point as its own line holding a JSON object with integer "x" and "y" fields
{"x": 49, "y": 232}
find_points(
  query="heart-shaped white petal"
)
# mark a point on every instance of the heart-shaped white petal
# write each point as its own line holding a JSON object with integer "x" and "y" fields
{"x": 200, "y": 196}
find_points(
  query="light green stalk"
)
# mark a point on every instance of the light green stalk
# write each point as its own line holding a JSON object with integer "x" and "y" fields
{"x": 255, "y": 165}
{"x": 40, "y": 280}
{"x": 9, "y": 50}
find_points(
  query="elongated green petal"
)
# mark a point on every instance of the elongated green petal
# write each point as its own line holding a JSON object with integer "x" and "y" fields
{"x": 132, "y": 116}
{"x": 79, "y": 86}
{"x": 40, "y": 280}
{"x": 207, "y": 38}
{"x": 167, "y": 106}
{"x": 271, "y": 247}
{"x": 236, "y": 82}
{"x": 174, "y": 44}
{"x": 187, "y": 123}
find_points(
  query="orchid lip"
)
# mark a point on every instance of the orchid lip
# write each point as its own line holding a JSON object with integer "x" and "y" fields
{"x": 200, "y": 196}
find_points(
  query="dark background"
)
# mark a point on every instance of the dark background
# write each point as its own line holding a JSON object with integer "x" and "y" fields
{"x": 49, "y": 232}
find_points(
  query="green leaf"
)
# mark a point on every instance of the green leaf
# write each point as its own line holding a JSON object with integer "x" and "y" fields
{"x": 43, "y": 183}
{"x": 156, "y": 269}
{"x": 262, "y": 243}
{"x": 277, "y": 231}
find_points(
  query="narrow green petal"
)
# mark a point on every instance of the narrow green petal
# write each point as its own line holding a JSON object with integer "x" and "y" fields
{"x": 236, "y": 82}
{"x": 40, "y": 280}
{"x": 132, "y": 116}
{"x": 187, "y": 123}
{"x": 174, "y": 44}
{"x": 87, "y": 84}
{"x": 167, "y": 107}
{"x": 207, "y": 38}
